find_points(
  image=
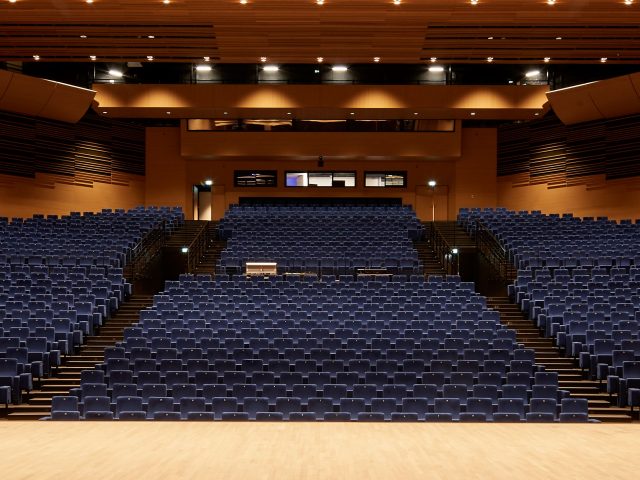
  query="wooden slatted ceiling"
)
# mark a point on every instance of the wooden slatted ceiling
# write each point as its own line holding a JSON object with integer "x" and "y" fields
{"x": 547, "y": 151}
{"x": 92, "y": 150}
{"x": 298, "y": 31}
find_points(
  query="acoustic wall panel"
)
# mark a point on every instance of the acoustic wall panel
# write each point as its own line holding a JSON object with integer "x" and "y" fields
{"x": 95, "y": 149}
{"x": 547, "y": 151}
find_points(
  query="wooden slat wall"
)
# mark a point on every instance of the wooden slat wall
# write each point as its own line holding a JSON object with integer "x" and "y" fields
{"x": 93, "y": 150}
{"x": 547, "y": 151}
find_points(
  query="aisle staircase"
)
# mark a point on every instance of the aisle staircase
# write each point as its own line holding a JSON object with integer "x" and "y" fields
{"x": 38, "y": 403}
{"x": 547, "y": 354}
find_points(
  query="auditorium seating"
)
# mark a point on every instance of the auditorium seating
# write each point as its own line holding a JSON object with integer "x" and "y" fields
{"x": 578, "y": 279}
{"x": 319, "y": 348}
{"x": 322, "y": 239}
{"x": 60, "y": 278}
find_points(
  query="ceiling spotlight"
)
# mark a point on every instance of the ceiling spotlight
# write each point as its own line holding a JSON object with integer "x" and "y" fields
{"x": 168, "y": 113}
{"x": 433, "y": 59}
{"x": 376, "y": 59}
{"x": 510, "y": 82}
{"x": 270, "y": 68}
{"x": 320, "y": 59}
{"x": 489, "y": 59}
{"x": 473, "y": 114}
{"x": 288, "y": 113}
{"x": 115, "y": 73}
{"x": 83, "y": 36}
{"x": 89, "y": 1}
{"x": 104, "y": 112}
{"x": 243, "y": 2}
{"x": 415, "y": 113}
{"x": 12, "y": 1}
{"x": 150, "y": 58}
{"x": 206, "y": 59}
{"x": 432, "y": 183}
{"x": 339, "y": 68}
{"x": 489, "y": 38}
{"x": 36, "y": 57}
{"x": 166, "y": 2}
{"x": 536, "y": 114}
{"x": 436, "y": 69}
{"x": 92, "y": 58}
{"x": 558, "y": 38}
{"x": 151, "y": 36}
{"x": 111, "y": 80}
{"x": 203, "y": 68}
{"x": 551, "y": 2}
{"x": 263, "y": 59}
{"x": 320, "y": 2}
{"x": 397, "y": 2}
{"x": 184, "y": 249}
{"x": 546, "y": 59}
{"x": 208, "y": 182}
{"x": 532, "y": 73}
{"x": 352, "y": 113}
{"x": 473, "y": 2}
{"x": 603, "y": 60}
{"x": 225, "y": 113}
{"x": 628, "y": 2}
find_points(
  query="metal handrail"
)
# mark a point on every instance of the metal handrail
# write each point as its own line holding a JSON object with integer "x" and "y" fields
{"x": 443, "y": 250}
{"x": 197, "y": 247}
{"x": 495, "y": 252}
{"x": 141, "y": 254}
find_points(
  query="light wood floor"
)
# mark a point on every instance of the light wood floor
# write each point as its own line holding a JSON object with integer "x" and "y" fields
{"x": 155, "y": 450}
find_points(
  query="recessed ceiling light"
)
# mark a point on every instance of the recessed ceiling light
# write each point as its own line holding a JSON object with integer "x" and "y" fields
{"x": 397, "y": 2}
{"x": 104, "y": 112}
{"x": 510, "y": 82}
{"x": 489, "y": 38}
{"x": 115, "y": 73}
{"x": 111, "y": 80}
{"x": 225, "y": 113}
{"x": 166, "y": 2}
{"x": 473, "y": 114}
{"x": 474, "y": 2}
{"x": 320, "y": 59}
{"x": 288, "y": 113}
{"x": 415, "y": 113}
{"x": 558, "y": 38}
{"x": 352, "y": 113}
{"x": 546, "y": 59}
{"x": 339, "y": 68}
{"x": 376, "y": 59}
{"x": 243, "y": 2}
{"x": 208, "y": 182}
{"x": 551, "y": 2}
{"x": 532, "y": 73}
{"x": 320, "y": 2}
{"x": 628, "y": 2}
{"x": 150, "y": 58}
{"x": 36, "y": 57}
{"x": 168, "y": 113}
{"x": 436, "y": 69}
{"x": 12, "y": 1}
{"x": 203, "y": 68}
{"x": 151, "y": 36}
{"x": 89, "y": 1}
{"x": 92, "y": 58}
{"x": 263, "y": 59}
{"x": 433, "y": 59}
{"x": 489, "y": 59}
{"x": 536, "y": 114}
{"x": 603, "y": 60}
{"x": 270, "y": 68}
{"x": 206, "y": 59}
{"x": 83, "y": 36}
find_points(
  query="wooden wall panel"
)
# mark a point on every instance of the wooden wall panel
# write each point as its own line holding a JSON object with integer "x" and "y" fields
{"x": 94, "y": 150}
{"x": 547, "y": 151}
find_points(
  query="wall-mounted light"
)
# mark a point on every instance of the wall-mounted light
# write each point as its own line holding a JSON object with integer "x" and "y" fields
{"x": 184, "y": 249}
{"x": 208, "y": 182}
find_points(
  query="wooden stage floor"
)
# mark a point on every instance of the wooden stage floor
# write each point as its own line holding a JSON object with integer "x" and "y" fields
{"x": 181, "y": 450}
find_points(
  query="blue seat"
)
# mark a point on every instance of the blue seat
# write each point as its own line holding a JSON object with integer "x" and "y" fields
{"x": 574, "y": 410}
